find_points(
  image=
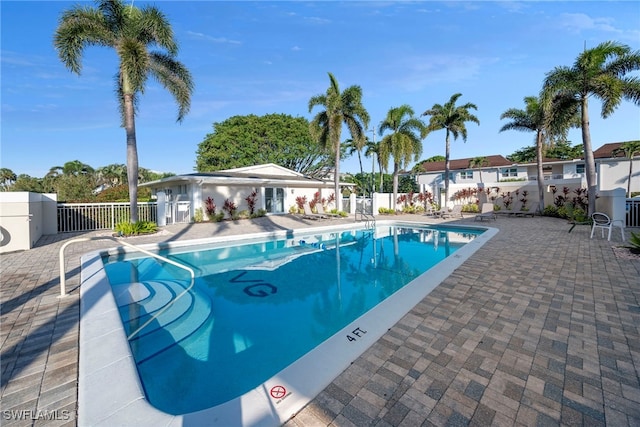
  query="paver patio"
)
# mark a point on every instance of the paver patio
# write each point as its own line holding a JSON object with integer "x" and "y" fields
{"x": 539, "y": 327}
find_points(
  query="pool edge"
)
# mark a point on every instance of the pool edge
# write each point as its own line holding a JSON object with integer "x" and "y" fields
{"x": 121, "y": 400}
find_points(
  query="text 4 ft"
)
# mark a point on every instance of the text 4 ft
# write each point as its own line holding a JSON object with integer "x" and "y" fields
{"x": 355, "y": 334}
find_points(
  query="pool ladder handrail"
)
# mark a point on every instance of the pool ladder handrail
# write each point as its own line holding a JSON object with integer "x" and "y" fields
{"x": 370, "y": 220}
{"x": 136, "y": 248}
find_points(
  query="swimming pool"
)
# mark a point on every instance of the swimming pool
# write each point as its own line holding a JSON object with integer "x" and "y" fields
{"x": 259, "y": 316}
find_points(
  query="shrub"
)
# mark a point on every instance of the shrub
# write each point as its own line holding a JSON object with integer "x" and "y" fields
{"x": 634, "y": 240}
{"x": 552, "y": 211}
{"x": 259, "y": 213}
{"x": 217, "y": 217}
{"x": 251, "y": 201}
{"x": 230, "y": 208}
{"x": 210, "y": 207}
{"x": 471, "y": 208}
{"x": 135, "y": 228}
{"x": 198, "y": 216}
{"x": 300, "y": 201}
{"x": 386, "y": 211}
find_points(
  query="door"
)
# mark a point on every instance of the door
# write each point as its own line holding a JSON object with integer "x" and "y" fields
{"x": 274, "y": 200}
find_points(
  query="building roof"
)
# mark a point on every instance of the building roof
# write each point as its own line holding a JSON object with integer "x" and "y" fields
{"x": 606, "y": 151}
{"x": 266, "y": 174}
{"x": 462, "y": 164}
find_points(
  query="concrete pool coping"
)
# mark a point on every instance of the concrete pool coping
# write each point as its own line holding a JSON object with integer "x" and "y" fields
{"x": 109, "y": 391}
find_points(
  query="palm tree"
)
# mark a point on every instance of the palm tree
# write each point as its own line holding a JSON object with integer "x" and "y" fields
{"x": 452, "y": 118}
{"x": 547, "y": 125}
{"x": 112, "y": 175}
{"x": 130, "y": 31}
{"x": 373, "y": 149}
{"x": 404, "y": 143}
{"x": 600, "y": 72}
{"x": 7, "y": 177}
{"x": 630, "y": 149}
{"x": 354, "y": 147}
{"x": 479, "y": 162}
{"x": 340, "y": 108}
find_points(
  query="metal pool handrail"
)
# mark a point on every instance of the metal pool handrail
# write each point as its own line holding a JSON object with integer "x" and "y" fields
{"x": 139, "y": 249}
{"x": 370, "y": 220}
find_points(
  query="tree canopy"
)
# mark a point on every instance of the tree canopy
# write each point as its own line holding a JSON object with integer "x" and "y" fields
{"x": 562, "y": 150}
{"x": 249, "y": 140}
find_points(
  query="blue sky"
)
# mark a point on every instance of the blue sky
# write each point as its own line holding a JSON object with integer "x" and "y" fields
{"x": 272, "y": 57}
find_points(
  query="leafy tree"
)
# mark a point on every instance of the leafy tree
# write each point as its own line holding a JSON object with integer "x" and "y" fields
{"x": 339, "y": 108}
{"x": 248, "y": 140}
{"x": 600, "y": 72}
{"x": 408, "y": 184}
{"x": 560, "y": 150}
{"x": 629, "y": 149}
{"x": 75, "y": 188}
{"x": 452, "y": 118}
{"x": 73, "y": 167}
{"x": 25, "y": 182}
{"x": 120, "y": 193}
{"x": 112, "y": 175}
{"x": 7, "y": 177}
{"x": 404, "y": 143}
{"x": 547, "y": 124}
{"x": 130, "y": 31}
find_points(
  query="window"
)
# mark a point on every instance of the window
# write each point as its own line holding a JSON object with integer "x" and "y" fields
{"x": 509, "y": 172}
{"x": 466, "y": 175}
{"x": 580, "y": 168}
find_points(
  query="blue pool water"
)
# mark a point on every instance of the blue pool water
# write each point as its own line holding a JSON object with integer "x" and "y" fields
{"x": 256, "y": 308}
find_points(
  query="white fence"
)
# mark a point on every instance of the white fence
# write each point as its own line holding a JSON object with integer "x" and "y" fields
{"x": 633, "y": 212}
{"x": 105, "y": 216}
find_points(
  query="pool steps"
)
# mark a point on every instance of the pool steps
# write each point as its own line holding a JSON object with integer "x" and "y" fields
{"x": 138, "y": 300}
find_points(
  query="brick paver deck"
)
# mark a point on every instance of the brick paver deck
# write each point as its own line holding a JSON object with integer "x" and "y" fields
{"x": 539, "y": 327}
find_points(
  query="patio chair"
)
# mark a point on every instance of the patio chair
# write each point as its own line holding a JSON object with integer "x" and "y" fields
{"x": 456, "y": 211}
{"x": 486, "y": 212}
{"x": 603, "y": 222}
{"x": 429, "y": 211}
{"x": 321, "y": 211}
{"x": 309, "y": 214}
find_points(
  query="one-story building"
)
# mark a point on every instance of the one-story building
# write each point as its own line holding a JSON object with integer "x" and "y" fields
{"x": 277, "y": 189}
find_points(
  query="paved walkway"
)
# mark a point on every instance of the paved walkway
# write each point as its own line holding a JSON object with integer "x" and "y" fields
{"x": 539, "y": 327}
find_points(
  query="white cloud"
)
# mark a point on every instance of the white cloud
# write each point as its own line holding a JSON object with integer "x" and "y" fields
{"x": 578, "y": 22}
{"x": 419, "y": 72}
{"x": 221, "y": 40}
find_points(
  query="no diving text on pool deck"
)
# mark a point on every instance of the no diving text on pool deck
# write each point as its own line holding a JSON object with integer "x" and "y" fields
{"x": 280, "y": 393}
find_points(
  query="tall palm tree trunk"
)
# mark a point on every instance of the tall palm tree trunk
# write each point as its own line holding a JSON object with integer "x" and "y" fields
{"x": 630, "y": 174}
{"x": 590, "y": 165}
{"x": 336, "y": 178}
{"x": 539, "y": 142}
{"x": 446, "y": 169}
{"x": 396, "y": 168}
{"x": 132, "y": 155}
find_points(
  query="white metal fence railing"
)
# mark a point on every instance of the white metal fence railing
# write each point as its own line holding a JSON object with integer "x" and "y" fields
{"x": 100, "y": 216}
{"x": 633, "y": 212}
{"x": 105, "y": 216}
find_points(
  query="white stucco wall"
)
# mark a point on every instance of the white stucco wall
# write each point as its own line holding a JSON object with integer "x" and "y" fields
{"x": 615, "y": 174}
{"x": 24, "y": 218}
